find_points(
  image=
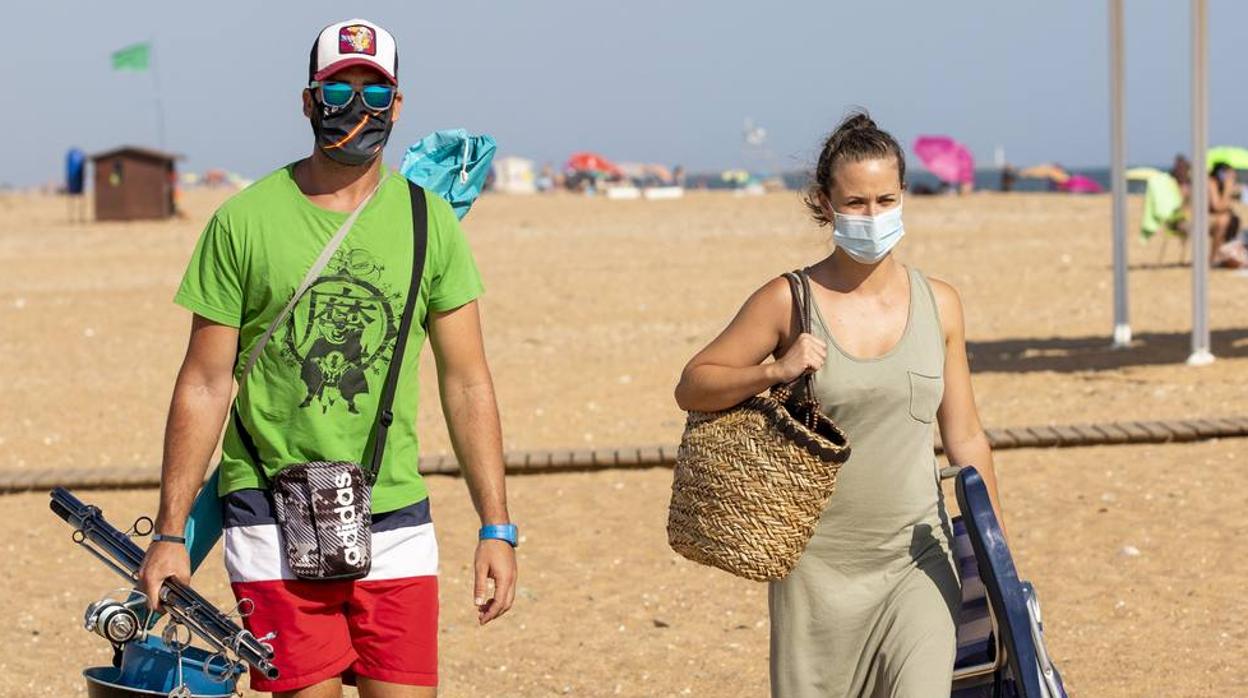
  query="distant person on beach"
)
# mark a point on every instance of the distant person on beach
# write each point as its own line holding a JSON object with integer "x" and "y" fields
{"x": 871, "y": 608}
{"x": 1226, "y": 247}
{"x": 545, "y": 181}
{"x": 1223, "y": 189}
{"x": 1009, "y": 176}
{"x": 314, "y": 393}
{"x": 75, "y": 184}
{"x": 1181, "y": 170}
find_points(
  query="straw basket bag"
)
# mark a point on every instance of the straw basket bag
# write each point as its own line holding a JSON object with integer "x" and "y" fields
{"x": 752, "y": 481}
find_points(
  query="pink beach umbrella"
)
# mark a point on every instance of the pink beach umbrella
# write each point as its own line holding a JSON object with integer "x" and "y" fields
{"x": 946, "y": 158}
{"x": 1078, "y": 184}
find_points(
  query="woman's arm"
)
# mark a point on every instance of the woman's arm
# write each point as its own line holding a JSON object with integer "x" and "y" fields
{"x": 731, "y": 369}
{"x": 960, "y": 430}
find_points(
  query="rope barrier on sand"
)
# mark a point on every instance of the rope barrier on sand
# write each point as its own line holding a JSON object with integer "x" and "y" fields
{"x": 582, "y": 460}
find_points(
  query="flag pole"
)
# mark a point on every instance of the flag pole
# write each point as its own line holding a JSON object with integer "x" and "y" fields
{"x": 160, "y": 110}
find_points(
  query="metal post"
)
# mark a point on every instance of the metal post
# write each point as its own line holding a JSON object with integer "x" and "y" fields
{"x": 1118, "y": 175}
{"x": 1199, "y": 232}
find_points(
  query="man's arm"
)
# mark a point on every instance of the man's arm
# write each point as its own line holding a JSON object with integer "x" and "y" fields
{"x": 471, "y": 414}
{"x": 201, "y": 399}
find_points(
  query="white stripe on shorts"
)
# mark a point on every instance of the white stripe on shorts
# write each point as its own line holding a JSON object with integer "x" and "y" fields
{"x": 255, "y": 553}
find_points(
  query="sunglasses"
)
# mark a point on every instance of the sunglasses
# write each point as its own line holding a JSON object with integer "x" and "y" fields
{"x": 340, "y": 94}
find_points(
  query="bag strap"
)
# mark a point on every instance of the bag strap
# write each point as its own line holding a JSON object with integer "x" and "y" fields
{"x": 308, "y": 279}
{"x": 385, "y": 416}
{"x": 799, "y": 286}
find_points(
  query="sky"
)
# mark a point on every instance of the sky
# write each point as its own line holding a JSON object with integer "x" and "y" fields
{"x": 668, "y": 81}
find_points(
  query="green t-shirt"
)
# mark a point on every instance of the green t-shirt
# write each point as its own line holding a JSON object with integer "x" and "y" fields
{"x": 313, "y": 393}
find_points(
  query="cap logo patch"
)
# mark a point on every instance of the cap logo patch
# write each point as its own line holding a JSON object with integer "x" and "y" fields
{"x": 357, "y": 38}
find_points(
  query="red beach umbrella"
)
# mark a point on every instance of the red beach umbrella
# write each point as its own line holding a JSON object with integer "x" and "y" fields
{"x": 591, "y": 162}
{"x": 946, "y": 158}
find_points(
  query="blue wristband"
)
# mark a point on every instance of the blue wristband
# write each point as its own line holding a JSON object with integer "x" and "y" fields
{"x": 505, "y": 532}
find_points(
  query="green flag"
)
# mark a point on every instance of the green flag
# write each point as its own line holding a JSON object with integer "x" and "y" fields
{"x": 133, "y": 57}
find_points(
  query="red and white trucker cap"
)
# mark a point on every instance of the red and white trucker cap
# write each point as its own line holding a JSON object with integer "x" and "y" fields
{"x": 353, "y": 42}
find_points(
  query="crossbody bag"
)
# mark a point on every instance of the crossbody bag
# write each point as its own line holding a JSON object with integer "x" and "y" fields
{"x": 324, "y": 508}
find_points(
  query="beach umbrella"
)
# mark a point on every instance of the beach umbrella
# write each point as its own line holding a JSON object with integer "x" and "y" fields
{"x": 946, "y": 158}
{"x": 642, "y": 170}
{"x": 1230, "y": 155}
{"x": 591, "y": 162}
{"x": 1143, "y": 174}
{"x": 1078, "y": 184}
{"x": 632, "y": 170}
{"x": 660, "y": 171}
{"x": 1045, "y": 170}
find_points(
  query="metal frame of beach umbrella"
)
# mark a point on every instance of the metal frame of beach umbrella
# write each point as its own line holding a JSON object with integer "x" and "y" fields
{"x": 1117, "y": 175}
{"x": 1201, "y": 353}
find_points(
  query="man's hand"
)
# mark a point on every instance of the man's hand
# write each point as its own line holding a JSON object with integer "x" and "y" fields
{"x": 495, "y": 560}
{"x": 472, "y": 420}
{"x": 163, "y": 560}
{"x": 201, "y": 399}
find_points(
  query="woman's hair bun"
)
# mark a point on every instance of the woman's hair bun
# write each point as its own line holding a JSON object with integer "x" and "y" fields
{"x": 855, "y": 139}
{"x": 856, "y": 120}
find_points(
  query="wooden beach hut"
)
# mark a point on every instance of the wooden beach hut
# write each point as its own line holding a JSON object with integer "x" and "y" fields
{"x": 133, "y": 183}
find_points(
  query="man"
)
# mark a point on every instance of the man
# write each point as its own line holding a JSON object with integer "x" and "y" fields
{"x": 313, "y": 393}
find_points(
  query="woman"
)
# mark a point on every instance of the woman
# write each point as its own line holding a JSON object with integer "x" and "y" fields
{"x": 870, "y": 609}
{"x": 1225, "y": 247}
{"x": 1223, "y": 223}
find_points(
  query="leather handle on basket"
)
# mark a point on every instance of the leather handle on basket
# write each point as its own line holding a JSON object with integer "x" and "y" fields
{"x": 799, "y": 286}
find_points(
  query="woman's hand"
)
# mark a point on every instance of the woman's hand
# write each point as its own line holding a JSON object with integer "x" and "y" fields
{"x": 735, "y": 366}
{"x": 808, "y": 353}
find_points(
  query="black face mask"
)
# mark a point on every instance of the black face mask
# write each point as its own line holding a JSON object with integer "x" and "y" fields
{"x": 352, "y": 135}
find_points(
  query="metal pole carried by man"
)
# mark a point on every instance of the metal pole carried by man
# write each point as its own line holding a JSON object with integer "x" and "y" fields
{"x": 316, "y": 287}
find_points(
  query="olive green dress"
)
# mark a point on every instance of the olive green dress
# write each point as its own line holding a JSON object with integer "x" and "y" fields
{"x": 870, "y": 610}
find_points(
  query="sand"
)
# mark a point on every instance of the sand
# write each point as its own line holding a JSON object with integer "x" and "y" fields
{"x": 591, "y": 310}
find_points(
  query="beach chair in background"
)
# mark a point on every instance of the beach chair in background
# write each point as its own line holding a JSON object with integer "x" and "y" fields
{"x": 1001, "y": 651}
{"x": 1163, "y": 212}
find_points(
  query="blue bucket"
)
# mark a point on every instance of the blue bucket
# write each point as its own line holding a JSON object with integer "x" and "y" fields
{"x": 149, "y": 668}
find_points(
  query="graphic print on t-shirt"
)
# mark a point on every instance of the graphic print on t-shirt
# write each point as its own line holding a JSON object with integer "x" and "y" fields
{"x": 342, "y": 331}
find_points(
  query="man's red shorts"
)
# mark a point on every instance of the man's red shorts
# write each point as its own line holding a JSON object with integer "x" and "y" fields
{"x": 384, "y": 626}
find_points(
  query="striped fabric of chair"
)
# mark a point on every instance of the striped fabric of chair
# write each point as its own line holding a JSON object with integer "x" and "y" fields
{"x": 977, "y": 640}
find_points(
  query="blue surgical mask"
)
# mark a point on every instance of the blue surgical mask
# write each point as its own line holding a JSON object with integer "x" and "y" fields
{"x": 867, "y": 239}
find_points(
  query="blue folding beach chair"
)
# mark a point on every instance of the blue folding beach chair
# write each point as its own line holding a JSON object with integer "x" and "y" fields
{"x": 1001, "y": 652}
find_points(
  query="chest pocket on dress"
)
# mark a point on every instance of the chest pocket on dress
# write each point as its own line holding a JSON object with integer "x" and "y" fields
{"x": 925, "y": 393}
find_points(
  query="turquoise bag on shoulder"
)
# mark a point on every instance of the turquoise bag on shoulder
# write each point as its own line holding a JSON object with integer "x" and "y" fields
{"x": 453, "y": 164}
